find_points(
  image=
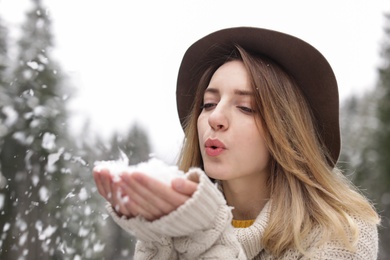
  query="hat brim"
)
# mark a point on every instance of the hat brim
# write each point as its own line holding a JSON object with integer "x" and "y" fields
{"x": 302, "y": 61}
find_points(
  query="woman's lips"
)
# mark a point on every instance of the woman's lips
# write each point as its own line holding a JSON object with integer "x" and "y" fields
{"x": 214, "y": 147}
{"x": 214, "y": 151}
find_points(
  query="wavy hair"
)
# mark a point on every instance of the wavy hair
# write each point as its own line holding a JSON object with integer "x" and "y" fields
{"x": 301, "y": 182}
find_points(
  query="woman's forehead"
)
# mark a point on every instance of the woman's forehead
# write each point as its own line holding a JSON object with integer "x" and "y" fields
{"x": 232, "y": 74}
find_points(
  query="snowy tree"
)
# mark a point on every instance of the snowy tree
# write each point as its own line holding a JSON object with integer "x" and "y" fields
{"x": 49, "y": 207}
{"x": 7, "y": 117}
{"x": 382, "y": 138}
{"x": 135, "y": 144}
{"x": 102, "y": 238}
{"x": 33, "y": 151}
{"x": 365, "y": 122}
{"x": 4, "y": 98}
{"x": 358, "y": 125}
{"x": 3, "y": 50}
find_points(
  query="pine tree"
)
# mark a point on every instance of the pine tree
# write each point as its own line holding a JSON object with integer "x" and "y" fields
{"x": 5, "y": 100}
{"x": 32, "y": 150}
{"x": 365, "y": 122}
{"x": 358, "y": 126}
{"x": 382, "y": 144}
{"x": 3, "y": 51}
{"x": 7, "y": 118}
{"x": 48, "y": 207}
{"x": 101, "y": 237}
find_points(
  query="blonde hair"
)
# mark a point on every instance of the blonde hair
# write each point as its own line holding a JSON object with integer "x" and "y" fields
{"x": 302, "y": 183}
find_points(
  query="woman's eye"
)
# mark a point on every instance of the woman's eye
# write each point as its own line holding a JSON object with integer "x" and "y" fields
{"x": 208, "y": 106}
{"x": 246, "y": 109}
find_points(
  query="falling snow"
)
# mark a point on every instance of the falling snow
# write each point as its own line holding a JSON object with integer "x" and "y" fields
{"x": 52, "y": 159}
{"x": 11, "y": 116}
{"x": 48, "y": 141}
{"x": 98, "y": 247}
{"x": 6, "y": 227}
{"x": 48, "y": 200}
{"x": 83, "y": 232}
{"x": 43, "y": 194}
{"x": 83, "y": 195}
{"x": 32, "y": 64}
{"x": 2, "y": 197}
{"x": 35, "y": 180}
{"x": 21, "y": 224}
{"x": 47, "y": 232}
{"x": 70, "y": 195}
{"x": 22, "y": 138}
{"x": 23, "y": 238}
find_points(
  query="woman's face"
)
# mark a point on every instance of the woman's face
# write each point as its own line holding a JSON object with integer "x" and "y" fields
{"x": 231, "y": 144}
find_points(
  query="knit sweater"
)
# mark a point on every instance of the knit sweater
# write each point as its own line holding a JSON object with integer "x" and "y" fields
{"x": 201, "y": 229}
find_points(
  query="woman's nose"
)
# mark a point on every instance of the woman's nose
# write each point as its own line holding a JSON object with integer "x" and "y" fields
{"x": 218, "y": 119}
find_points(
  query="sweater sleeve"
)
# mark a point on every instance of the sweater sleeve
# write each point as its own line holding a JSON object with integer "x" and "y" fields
{"x": 199, "y": 229}
{"x": 150, "y": 245}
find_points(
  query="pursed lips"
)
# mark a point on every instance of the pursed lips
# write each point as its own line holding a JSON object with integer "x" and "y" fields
{"x": 214, "y": 147}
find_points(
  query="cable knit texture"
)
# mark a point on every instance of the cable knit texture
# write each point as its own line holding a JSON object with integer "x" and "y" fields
{"x": 201, "y": 229}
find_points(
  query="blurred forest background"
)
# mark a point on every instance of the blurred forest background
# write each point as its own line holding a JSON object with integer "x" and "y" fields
{"x": 49, "y": 206}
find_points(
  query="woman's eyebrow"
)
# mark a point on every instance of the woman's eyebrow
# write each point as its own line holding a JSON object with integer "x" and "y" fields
{"x": 243, "y": 92}
{"x": 211, "y": 90}
{"x": 239, "y": 92}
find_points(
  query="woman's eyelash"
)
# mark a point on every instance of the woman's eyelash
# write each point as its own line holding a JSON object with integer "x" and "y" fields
{"x": 246, "y": 109}
{"x": 211, "y": 105}
{"x": 207, "y": 105}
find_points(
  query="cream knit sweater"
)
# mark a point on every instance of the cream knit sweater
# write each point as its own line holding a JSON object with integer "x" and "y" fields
{"x": 201, "y": 229}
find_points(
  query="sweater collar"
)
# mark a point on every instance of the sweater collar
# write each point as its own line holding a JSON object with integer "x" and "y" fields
{"x": 251, "y": 237}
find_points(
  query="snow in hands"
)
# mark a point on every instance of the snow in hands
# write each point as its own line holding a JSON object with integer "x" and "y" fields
{"x": 154, "y": 168}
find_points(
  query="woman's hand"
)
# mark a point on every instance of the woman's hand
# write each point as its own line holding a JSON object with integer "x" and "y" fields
{"x": 138, "y": 194}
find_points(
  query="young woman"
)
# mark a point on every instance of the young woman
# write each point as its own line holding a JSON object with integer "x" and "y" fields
{"x": 260, "y": 113}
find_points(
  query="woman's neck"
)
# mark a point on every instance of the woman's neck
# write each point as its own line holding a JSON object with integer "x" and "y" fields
{"x": 247, "y": 197}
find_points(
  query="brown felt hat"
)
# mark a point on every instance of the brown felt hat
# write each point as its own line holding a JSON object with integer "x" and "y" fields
{"x": 302, "y": 61}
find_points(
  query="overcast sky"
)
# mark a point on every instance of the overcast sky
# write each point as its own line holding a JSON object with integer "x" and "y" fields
{"x": 123, "y": 56}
